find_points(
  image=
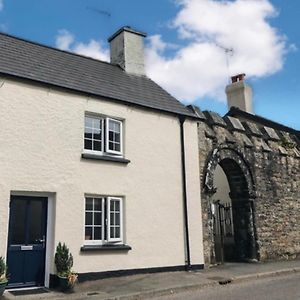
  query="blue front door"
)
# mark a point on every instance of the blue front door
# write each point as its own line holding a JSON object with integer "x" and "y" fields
{"x": 27, "y": 241}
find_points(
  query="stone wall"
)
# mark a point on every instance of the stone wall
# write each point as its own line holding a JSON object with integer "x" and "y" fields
{"x": 270, "y": 161}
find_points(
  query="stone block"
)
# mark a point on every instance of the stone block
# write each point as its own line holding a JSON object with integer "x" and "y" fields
{"x": 214, "y": 119}
{"x": 252, "y": 129}
{"x": 234, "y": 124}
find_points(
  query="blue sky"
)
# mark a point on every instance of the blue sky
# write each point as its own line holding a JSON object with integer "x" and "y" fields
{"x": 184, "y": 44}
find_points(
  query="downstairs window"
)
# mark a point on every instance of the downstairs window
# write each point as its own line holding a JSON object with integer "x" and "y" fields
{"x": 103, "y": 220}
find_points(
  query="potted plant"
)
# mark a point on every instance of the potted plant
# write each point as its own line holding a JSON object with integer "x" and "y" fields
{"x": 64, "y": 263}
{"x": 3, "y": 278}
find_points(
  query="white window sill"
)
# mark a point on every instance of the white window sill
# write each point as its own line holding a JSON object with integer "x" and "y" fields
{"x": 96, "y": 156}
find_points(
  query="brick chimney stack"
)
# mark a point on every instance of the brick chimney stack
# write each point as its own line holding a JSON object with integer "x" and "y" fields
{"x": 127, "y": 50}
{"x": 239, "y": 94}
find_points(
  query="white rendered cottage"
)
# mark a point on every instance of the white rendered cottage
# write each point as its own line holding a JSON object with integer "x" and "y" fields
{"x": 98, "y": 156}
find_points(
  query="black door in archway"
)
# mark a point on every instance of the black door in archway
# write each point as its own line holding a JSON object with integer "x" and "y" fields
{"x": 27, "y": 241}
{"x": 232, "y": 232}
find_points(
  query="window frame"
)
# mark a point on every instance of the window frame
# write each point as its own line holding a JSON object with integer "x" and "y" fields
{"x": 107, "y": 150}
{"x": 94, "y": 242}
{"x": 106, "y": 228}
{"x": 102, "y": 122}
{"x": 104, "y": 136}
{"x": 109, "y": 239}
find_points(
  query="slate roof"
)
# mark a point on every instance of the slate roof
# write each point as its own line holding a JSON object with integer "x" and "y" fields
{"x": 236, "y": 112}
{"x": 28, "y": 60}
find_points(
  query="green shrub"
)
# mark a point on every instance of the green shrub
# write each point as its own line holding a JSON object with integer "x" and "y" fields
{"x": 2, "y": 270}
{"x": 63, "y": 260}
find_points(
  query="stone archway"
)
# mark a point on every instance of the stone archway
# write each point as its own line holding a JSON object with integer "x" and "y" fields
{"x": 243, "y": 245}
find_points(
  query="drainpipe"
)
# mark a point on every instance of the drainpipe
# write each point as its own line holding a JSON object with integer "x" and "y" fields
{"x": 185, "y": 208}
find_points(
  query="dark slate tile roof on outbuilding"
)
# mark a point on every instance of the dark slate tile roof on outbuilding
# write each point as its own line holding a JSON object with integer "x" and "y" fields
{"x": 28, "y": 60}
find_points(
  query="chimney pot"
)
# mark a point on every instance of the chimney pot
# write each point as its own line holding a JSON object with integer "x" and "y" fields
{"x": 239, "y": 77}
{"x": 239, "y": 93}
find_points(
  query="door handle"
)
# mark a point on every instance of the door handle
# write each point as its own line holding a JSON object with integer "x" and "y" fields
{"x": 43, "y": 241}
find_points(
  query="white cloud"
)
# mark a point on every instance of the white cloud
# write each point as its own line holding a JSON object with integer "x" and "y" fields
{"x": 66, "y": 41}
{"x": 92, "y": 49}
{"x": 199, "y": 68}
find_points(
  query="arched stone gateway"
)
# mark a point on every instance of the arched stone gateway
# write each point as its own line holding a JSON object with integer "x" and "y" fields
{"x": 231, "y": 224}
{"x": 255, "y": 214}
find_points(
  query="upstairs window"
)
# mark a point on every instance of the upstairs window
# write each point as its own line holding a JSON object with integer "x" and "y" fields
{"x": 113, "y": 136}
{"x": 93, "y": 134}
{"x": 103, "y": 135}
{"x": 103, "y": 220}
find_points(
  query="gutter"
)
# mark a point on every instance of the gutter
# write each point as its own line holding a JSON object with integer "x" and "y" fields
{"x": 185, "y": 208}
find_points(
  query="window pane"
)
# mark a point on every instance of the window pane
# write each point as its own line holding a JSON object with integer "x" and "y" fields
{"x": 112, "y": 232}
{"x": 98, "y": 204}
{"x": 117, "y": 137}
{"x": 88, "y": 233}
{"x": 117, "y": 127}
{"x": 110, "y": 136}
{"x": 117, "y": 232}
{"x": 111, "y": 146}
{"x": 96, "y": 123}
{"x": 88, "y": 218}
{"x": 117, "y": 147}
{"x": 97, "y": 218}
{"x": 88, "y": 122}
{"x": 97, "y": 135}
{"x": 112, "y": 221}
{"x": 97, "y": 233}
{"x": 88, "y": 133}
{"x": 117, "y": 205}
{"x": 117, "y": 219}
{"x": 111, "y": 125}
{"x": 88, "y": 144}
{"x": 88, "y": 203}
{"x": 97, "y": 146}
{"x": 112, "y": 205}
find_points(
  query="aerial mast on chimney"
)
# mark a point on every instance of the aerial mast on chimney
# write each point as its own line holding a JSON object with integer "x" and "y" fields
{"x": 229, "y": 52}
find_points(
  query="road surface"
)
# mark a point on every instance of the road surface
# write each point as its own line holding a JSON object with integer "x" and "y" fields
{"x": 275, "y": 288}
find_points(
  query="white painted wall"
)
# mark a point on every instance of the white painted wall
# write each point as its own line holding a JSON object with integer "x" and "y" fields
{"x": 41, "y": 142}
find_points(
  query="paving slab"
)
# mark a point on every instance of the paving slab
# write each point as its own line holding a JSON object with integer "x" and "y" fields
{"x": 150, "y": 285}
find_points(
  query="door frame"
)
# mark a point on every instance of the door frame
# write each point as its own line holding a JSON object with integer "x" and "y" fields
{"x": 49, "y": 257}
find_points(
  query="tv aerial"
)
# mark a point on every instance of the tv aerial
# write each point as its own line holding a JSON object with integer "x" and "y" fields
{"x": 229, "y": 52}
{"x": 99, "y": 11}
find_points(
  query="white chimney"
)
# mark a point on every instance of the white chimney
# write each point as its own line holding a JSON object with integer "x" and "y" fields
{"x": 127, "y": 50}
{"x": 239, "y": 94}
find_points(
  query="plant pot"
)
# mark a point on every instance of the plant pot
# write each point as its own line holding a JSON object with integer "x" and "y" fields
{"x": 65, "y": 285}
{"x": 2, "y": 287}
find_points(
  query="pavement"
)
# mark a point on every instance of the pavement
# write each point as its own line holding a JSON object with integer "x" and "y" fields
{"x": 145, "y": 286}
